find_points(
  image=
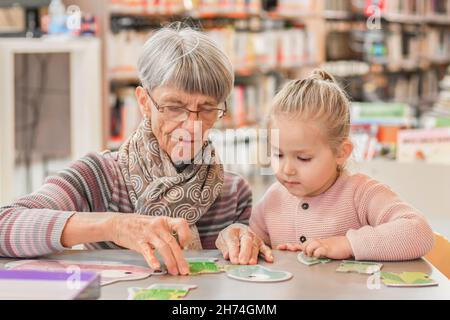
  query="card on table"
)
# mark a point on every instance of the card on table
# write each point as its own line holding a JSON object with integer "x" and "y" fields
{"x": 407, "y": 279}
{"x": 160, "y": 291}
{"x": 256, "y": 273}
{"x": 309, "y": 261}
{"x": 363, "y": 267}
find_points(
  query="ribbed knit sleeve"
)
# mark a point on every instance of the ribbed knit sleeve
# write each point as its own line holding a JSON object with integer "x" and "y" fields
{"x": 391, "y": 229}
{"x": 32, "y": 226}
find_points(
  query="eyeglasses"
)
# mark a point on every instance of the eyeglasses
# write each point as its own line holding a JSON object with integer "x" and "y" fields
{"x": 180, "y": 114}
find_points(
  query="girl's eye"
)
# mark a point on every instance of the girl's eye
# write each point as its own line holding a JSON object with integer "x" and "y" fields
{"x": 304, "y": 159}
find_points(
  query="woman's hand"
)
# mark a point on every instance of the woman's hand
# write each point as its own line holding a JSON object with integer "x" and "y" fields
{"x": 337, "y": 248}
{"x": 146, "y": 234}
{"x": 241, "y": 245}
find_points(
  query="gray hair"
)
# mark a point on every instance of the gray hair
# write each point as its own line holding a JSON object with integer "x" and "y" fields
{"x": 188, "y": 60}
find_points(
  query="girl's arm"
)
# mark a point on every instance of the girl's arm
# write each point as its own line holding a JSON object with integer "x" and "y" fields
{"x": 392, "y": 230}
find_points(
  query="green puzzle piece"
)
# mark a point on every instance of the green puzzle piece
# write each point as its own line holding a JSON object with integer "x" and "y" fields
{"x": 160, "y": 291}
{"x": 407, "y": 278}
{"x": 203, "y": 266}
{"x": 362, "y": 267}
{"x": 159, "y": 294}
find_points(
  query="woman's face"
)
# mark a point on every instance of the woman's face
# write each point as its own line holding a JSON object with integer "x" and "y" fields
{"x": 181, "y": 140}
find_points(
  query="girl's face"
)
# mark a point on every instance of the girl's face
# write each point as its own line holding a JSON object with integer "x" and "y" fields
{"x": 302, "y": 158}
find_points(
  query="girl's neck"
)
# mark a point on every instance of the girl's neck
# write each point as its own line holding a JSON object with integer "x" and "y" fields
{"x": 327, "y": 185}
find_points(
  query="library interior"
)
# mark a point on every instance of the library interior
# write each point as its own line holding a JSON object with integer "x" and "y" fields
{"x": 95, "y": 97}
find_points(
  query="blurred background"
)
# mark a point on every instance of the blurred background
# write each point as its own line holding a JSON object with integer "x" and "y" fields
{"x": 68, "y": 74}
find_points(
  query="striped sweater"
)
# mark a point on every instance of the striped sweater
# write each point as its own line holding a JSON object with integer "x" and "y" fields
{"x": 32, "y": 226}
{"x": 378, "y": 225}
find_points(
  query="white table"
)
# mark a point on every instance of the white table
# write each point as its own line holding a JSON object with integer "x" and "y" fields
{"x": 315, "y": 282}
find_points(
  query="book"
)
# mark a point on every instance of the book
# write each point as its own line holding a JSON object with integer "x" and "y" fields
{"x": 425, "y": 145}
{"x": 381, "y": 113}
{"x": 43, "y": 285}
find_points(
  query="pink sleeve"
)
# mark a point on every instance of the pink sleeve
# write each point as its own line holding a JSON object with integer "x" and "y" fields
{"x": 257, "y": 221}
{"x": 392, "y": 230}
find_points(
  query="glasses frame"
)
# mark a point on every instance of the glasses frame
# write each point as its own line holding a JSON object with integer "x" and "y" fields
{"x": 161, "y": 109}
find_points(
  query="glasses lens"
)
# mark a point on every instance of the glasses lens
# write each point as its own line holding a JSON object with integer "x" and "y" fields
{"x": 176, "y": 114}
{"x": 209, "y": 115}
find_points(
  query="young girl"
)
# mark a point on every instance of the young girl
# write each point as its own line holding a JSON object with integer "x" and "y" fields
{"x": 318, "y": 207}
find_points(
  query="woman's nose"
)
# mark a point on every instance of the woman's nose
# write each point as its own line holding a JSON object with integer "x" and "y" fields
{"x": 192, "y": 126}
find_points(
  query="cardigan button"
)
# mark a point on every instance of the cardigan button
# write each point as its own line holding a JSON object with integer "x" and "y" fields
{"x": 302, "y": 239}
{"x": 305, "y": 206}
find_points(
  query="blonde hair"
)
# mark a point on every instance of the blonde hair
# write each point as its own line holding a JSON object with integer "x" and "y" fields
{"x": 317, "y": 97}
{"x": 187, "y": 59}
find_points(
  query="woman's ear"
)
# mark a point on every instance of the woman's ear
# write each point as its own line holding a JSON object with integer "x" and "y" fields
{"x": 345, "y": 151}
{"x": 143, "y": 101}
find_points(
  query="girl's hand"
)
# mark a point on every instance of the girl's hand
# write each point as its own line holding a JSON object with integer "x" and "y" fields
{"x": 294, "y": 247}
{"x": 337, "y": 248}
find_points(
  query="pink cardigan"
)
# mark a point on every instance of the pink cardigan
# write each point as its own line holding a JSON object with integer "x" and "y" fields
{"x": 377, "y": 223}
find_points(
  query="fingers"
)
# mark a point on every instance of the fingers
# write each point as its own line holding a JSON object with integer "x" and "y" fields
{"x": 231, "y": 238}
{"x": 266, "y": 252}
{"x": 246, "y": 245}
{"x": 320, "y": 252}
{"x": 175, "y": 250}
{"x": 149, "y": 255}
{"x": 181, "y": 227}
{"x": 294, "y": 247}
{"x": 255, "y": 253}
{"x": 290, "y": 246}
{"x": 310, "y": 246}
{"x": 220, "y": 244}
{"x": 165, "y": 251}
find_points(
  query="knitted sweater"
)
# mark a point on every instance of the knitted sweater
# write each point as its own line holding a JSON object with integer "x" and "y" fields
{"x": 378, "y": 225}
{"x": 32, "y": 226}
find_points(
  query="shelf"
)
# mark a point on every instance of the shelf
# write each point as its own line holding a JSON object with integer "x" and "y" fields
{"x": 131, "y": 77}
{"x": 345, "y": 16}
{"x": 215, "y": 15}
{"x": 438, "y": 19}
{"x": 338, "y": 15}
{"x": 403, "y": 18}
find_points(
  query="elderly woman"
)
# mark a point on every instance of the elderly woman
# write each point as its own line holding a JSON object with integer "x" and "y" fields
{"x": 164, "y": 189}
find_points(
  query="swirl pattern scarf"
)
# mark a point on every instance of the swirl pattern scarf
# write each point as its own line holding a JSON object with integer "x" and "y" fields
{"x": 157, "y": 189}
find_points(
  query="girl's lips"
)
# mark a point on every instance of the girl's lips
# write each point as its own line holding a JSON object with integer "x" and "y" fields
{"x": 292, "y": 183}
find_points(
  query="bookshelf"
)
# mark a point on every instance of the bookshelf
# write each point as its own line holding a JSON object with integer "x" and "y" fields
{"x": 401, "y": 62}
{"x": 402, "y": 55}
{"x": 252, "y": 37}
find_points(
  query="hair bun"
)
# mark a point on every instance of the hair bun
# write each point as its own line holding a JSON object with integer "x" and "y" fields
{"x": 323, "y": 75}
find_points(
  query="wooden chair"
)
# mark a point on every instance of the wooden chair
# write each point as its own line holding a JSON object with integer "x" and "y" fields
{"x": 439, "y": 256}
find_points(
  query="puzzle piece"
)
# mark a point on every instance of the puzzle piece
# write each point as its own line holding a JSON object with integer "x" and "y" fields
{"x": 160, "y": 291}
{"x": 256, "y": 273}
{"x": 203, "y": 266}
{"x": 309, "y": 261}
{"x": 359, "y": 267}
{"x": 407, "y": 279}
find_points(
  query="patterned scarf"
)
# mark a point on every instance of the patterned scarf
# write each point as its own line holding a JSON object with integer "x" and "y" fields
{"x": 157, "y": 189}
